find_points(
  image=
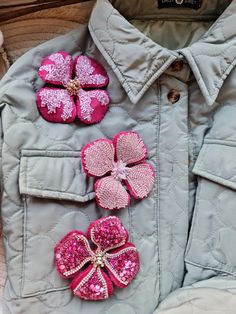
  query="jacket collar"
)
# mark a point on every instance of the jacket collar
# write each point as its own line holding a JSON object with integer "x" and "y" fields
{"x": 123, "y": 46}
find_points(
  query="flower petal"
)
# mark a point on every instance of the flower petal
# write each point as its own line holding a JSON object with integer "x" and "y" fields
{"x": 140, "y": 180}
{"x": 92, "y": 105}
{"x": 92, "y": 284}
{"x": 123, "y": 265}
{"x": 98, "y": 157}
{"x": 111, "y": 194}
{"x": 72, "y": 253}
{"x": 57, "y": 68}
{"x": 129, "y": 147}
{"x": 90, "y": 73}
{"x": 55, "y": 105}
{"x": 108, "y": 233}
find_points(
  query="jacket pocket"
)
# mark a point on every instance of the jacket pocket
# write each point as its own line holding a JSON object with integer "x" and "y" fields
{"x": 57, "y": 198}
{"x": 212, "y": 239}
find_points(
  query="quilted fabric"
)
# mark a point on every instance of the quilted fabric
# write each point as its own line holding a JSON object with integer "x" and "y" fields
{"x": 185, "y": 229}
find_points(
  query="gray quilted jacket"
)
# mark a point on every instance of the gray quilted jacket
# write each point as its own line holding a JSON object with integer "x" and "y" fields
{"x": 172, "y": 75}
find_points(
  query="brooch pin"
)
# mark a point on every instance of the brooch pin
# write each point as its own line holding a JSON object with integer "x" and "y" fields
{"x": 77, "y": 89}
{"x": 119, "y": 163}
{"x": 94, "y": 271}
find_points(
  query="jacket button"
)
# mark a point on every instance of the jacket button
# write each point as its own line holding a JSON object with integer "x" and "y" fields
{"x": 177, "y": 65}
{"x": 173, "y": 95}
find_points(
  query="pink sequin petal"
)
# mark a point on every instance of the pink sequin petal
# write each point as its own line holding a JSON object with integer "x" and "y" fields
{"x": 92, "y": 105}
{"x": 72, "y": 253}
{"x": 56, "y": 68}
{"x": 140, "y": 180}
{"x": 55, "y": 105}
{"x": 123, "y": 265}
{"x": 90, "y": 73}
{"x": 108, "y": 233}
{"x": 92, "y": 284}
{"x": 129, "y": 147}
{"x": 111, "y": 194}
{"x": 98, "y": 157}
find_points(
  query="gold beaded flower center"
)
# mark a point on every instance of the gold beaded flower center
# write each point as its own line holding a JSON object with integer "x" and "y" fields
{"x": 99, "y": 260}
{"x": 73, "y": 86}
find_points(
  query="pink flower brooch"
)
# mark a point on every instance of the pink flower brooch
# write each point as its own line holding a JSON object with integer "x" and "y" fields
{"x": 119, "y": 161}
{"x": 93, "y": 270}
{"x": 73, "y": 94}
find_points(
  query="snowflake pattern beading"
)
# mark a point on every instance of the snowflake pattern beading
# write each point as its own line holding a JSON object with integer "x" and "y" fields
{"x": 74, "y": 96}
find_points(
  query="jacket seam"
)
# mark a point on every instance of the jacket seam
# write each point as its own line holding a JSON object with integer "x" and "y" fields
{"x": 158, "y": 189}
{"x": 199, "y": 265}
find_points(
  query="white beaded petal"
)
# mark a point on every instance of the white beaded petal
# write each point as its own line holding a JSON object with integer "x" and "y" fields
{"x": 85, "y": 99}
{"x": 84, "y": 72}
{"x": 55, "y": 98}
{"x": 59, "y": 70}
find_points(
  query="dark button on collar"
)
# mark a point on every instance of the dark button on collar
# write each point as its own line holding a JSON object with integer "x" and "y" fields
{"x": 177, "y": 65}
{"x": 173, "y": 95}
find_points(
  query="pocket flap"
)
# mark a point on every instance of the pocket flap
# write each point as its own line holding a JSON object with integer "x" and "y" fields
{"x": 217, "y": 162}
{"x": 54, "y": 174}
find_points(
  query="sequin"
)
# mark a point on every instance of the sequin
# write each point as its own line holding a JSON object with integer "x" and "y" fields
{"x": 123, "y": 162}
{"x": 93, "y": 271}
{"x": 64, "y": 105}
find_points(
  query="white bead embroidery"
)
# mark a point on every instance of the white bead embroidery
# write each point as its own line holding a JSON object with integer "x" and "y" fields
{"x": 53, "y": 99}
{"x": 84, "y": 72}
{"x": 85, "y": 98}
{"x": 60, "y": 70}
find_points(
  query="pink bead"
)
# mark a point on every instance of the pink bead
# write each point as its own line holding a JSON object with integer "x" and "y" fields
{"x": 74, "y": 258}
{"x": 122, "y": 161}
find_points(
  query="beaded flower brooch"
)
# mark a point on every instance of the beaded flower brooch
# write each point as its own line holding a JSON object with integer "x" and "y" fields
{"x": 77, "y": 92}
{"x": 117, "y": 163}
{"x": 94, "y": 269}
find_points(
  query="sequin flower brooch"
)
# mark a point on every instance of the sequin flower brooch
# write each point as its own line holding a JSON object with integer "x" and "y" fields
{"x": 74, "y": 91}
{"x": 120, "y": 166}
{"x": 95, "y": 270}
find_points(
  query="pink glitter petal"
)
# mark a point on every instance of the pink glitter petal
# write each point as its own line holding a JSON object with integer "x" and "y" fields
{"x": 56, "y": 68}
{"x": 72, "y": 253}
{"x": 92, "y": 284}
{"x": 98, "y": 157}
{"x": 108, "y": 233}
{"x": 90, "y": 73}
{"x": 130, "y": 147}
{"x": 140, "y": 180}
{"x": 111, "y": 194}
{"x": 55, "y": 105}
{"x": 92, "y": 105}
{"x": 123, "y": 265}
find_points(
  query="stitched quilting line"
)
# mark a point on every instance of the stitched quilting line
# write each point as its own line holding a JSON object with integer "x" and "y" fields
{"x": 42, "y": 184}
{"x": 195, "y": 213}
{"x": 200, "y": 168}
{"x": 224, "y": 268}
{"x": 213, "y": 141}
{"x": 157, "y": 211}
{"x": 215, "y": 269}
{"x": 213, "y": 233}
{"x": 218, "y": 179}
{"x": 220, "y": 80}
{"x": 26, "y": 239}
{"x": 115, "y": 41}
{"x": 152, "y": 75}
